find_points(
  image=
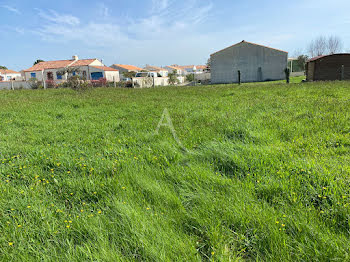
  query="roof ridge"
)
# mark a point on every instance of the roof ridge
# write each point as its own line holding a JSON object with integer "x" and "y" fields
{"x": 322, "y": 56}
{"x": 243, "y": 41}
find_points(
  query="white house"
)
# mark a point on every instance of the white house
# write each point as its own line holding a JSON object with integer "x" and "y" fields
{"x": 89, "y": 69}
{"x": 178, "y": 69}
{"x": 193, "y": 69}
{"x": 8, "y": 75}
{"x": 161, "y": 71}
{"x": 251, "y": 62}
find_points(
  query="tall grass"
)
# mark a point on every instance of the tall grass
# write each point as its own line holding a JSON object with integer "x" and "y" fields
{"x": 84, "y": 177}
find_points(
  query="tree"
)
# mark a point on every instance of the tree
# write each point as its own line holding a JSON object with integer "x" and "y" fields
{"x": 130, "y": 74}
{"x": 173, "y": 78}
{"x": 318, "y": 46}
{"x": 208, "y": 64}
{"x": 38, "y": 61}
{"x": 3, "y": 67}
{"x": 334, "y": 45}
{"x": 190, "y": 77}
{"x": 301, "y": 61}
{"x": 325, "y": 46}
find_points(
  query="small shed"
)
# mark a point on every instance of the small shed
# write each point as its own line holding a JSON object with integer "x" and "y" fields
{"x": 328, "y": 68}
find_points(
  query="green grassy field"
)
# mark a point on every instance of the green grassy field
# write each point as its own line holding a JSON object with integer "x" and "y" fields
{"x": 265, "y": 177}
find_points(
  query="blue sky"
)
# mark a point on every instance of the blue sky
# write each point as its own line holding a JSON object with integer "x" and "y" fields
{"x": 160, "y": 32}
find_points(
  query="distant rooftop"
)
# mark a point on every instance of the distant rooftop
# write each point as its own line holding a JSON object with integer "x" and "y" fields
{"x": 8, "y": 71}
{"x": 128, "y": 67}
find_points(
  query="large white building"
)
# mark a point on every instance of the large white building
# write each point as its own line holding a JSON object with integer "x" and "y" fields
{"x": 256, "y": 63}
{"x": 89, "y": 69}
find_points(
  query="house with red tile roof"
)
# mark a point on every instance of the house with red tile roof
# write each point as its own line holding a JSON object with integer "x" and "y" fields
{"x": 126, "y": 68}
{"x": 8, "y": 75}
{"x": 89, "y": 69}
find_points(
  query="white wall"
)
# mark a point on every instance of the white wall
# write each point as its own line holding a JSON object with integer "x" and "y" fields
{"x": 14, "y": 85}
{"x": 40, "y": 75}
{"x": 202, "y": 77}
{"x": 112, "y": 76}
{"x": 145, "y": 82}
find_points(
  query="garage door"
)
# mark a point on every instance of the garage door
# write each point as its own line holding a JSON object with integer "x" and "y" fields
{"x": 96, "y": 75}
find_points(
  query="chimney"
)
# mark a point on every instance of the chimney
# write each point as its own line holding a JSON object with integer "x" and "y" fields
{"x": 75, "y": 57}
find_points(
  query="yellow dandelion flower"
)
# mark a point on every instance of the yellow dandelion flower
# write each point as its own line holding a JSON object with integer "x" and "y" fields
{"x": 67, "y": 226}
{"x": 10, "y": 243}
{"x": 28, "y": 206}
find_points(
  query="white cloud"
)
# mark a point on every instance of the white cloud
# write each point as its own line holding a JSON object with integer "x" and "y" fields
{"x": 53, "y": 16}
{"x": 145, "y": 39}
{"x": 12, "y": 9}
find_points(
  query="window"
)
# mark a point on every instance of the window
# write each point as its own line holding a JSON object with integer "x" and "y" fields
{"x": 33, "y": 75}
{"x": 59, "y": 76}
{"x": 74, "y": 73}
{"x": 84, "y": 75}
{"x": 9, "y": 78}
{"x": 142, "y": 74}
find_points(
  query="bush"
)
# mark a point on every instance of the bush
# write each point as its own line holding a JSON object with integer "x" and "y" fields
{"x": 35, "y": 84}
{"x": 99, "y": 83}
{"x": 76, "y": 83}
{"x": 51, "y": 84}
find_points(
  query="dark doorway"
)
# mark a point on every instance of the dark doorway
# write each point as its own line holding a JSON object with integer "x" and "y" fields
{"x": 49, "y": 76}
